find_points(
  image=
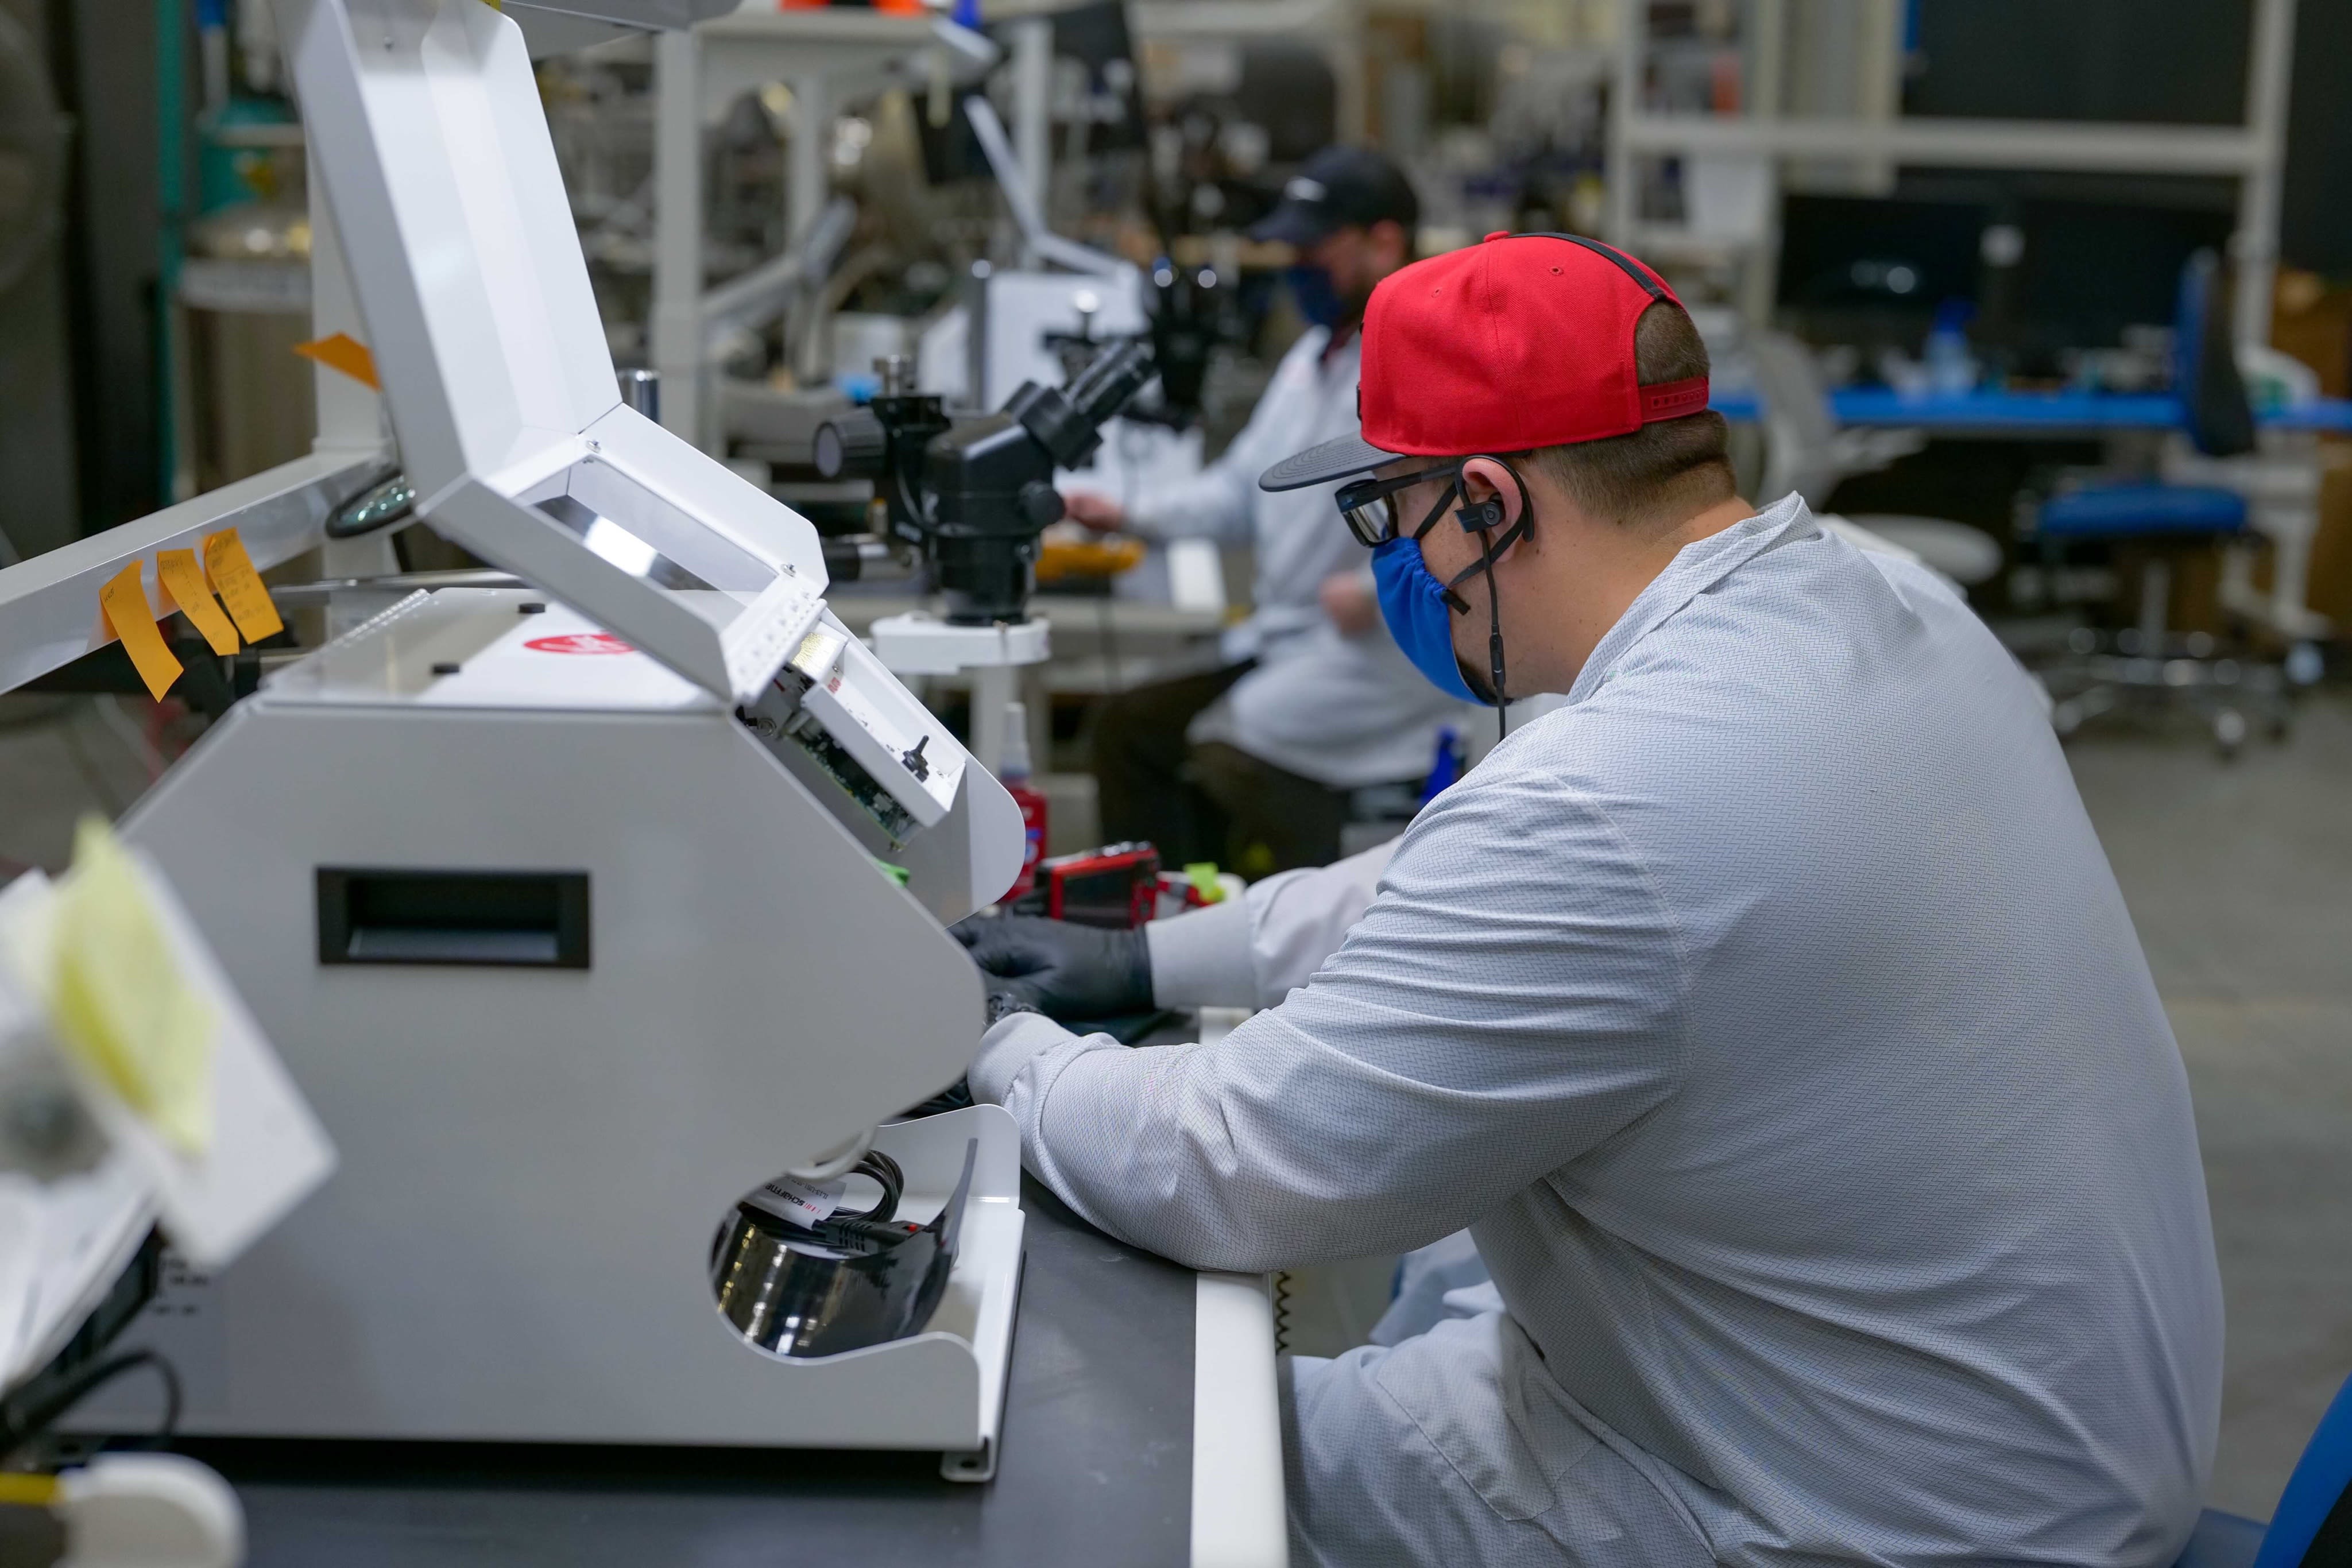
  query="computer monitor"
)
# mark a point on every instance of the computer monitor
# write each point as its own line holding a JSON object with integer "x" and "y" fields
{"x": 1908, "y": 254}
{"x": 1873, "y": 271}
{"x": 2091, "y": 269}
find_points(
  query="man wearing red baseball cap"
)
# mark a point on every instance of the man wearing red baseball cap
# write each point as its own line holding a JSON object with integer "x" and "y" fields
{"x": 1768, "y": 1013}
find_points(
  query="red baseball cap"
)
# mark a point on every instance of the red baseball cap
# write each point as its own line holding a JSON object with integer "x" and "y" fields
{"x": 1525, "y": 341}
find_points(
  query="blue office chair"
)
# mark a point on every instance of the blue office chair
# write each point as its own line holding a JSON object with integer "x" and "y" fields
{"x": 2312, "y": 1526}
{"x": 2143, "y": 666}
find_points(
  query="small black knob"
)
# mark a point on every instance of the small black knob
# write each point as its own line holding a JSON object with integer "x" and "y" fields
{"x": 1041, "y": 503}
{"x": 916, "y": 762}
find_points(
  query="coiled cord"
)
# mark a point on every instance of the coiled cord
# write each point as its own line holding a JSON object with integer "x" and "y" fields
{"x": 884, "y": 1171}
{"x": 871, "y": 1230}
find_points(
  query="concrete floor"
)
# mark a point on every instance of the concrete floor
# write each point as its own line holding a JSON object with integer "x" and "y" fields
{"x": 2240, "y": 878}
{"x": 2239, "y": 875}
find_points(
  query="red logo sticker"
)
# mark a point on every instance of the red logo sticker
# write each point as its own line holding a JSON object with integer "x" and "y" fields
{"x": 580, "y": 642}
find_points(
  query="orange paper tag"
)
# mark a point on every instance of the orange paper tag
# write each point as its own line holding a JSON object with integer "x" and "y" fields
{"x": 183, "y": 585}
{"x": 239, "y": 586}
{"x": 345, "y": 353}
{"x": 131, "y": 618}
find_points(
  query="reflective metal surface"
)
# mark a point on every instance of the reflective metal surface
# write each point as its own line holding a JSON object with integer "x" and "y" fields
{"x": 786, "y": 1293}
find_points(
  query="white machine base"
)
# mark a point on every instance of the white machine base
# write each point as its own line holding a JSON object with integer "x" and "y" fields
{"x": 920, "y": 644}
{"x": 984, "y": 1289}
{"x": 942, "y": 1389}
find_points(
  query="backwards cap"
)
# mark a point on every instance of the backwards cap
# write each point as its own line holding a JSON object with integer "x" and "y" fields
{"x": 1522, "y": 342}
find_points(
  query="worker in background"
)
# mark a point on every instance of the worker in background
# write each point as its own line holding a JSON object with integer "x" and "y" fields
{"x": 1767, "y": 1012}
{"x": 1254, "y": 763}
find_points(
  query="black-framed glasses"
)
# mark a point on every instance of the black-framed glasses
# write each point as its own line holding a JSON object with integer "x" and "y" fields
{"x": 1370, "y": 504}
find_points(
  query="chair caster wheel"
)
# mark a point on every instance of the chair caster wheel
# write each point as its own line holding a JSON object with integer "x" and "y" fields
{"x": 2228, "y": 732}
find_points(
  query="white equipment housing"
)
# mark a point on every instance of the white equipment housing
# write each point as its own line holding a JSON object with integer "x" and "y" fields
{"x": 679, "y": 770}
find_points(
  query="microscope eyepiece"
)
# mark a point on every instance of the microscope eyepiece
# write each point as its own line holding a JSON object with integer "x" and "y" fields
{"x": 854, "y": 447}
{"x": 1104, "y": 387}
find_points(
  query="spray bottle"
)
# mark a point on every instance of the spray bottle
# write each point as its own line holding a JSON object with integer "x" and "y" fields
{"x": 1014, "y": 774}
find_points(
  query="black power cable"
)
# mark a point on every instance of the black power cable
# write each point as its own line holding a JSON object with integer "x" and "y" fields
{"x": 33, "y": 1411}
{"x": 871, "y": 1230}
{"x": 884, "y": 1172}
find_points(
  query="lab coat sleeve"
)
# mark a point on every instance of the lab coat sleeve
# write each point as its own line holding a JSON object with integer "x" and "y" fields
{"x": 1221, "y": 501}
{"x": 1252, "y": 951}
{"x": 1514, "y": 997}
{"x": 1218, "y": 503}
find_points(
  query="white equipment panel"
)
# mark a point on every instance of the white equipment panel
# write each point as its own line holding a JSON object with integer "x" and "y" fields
{"x": 425, "y": 123}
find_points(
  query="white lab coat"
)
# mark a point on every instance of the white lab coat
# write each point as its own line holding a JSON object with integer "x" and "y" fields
{"x": 1343, "y": 711}
{"x": 1771, "y": 1016}
{"x": 1254, "y": 950}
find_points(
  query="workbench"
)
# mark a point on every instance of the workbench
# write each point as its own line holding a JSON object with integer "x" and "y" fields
{"x": 1992, "y": 414}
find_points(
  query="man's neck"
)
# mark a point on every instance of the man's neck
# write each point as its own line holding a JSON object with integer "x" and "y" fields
{"x": 1704, "y": 525}
{"x": 1591, "y": 587}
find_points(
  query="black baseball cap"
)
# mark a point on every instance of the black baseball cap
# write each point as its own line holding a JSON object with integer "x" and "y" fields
{"x": 1338, "y": 188}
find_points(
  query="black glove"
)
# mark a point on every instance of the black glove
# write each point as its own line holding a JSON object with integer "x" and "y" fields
{"x": 1063, "y": 971}
{"x": 1007, "y": 998}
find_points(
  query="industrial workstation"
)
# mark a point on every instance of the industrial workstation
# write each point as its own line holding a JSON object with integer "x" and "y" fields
{"x": 1324, "y": 783}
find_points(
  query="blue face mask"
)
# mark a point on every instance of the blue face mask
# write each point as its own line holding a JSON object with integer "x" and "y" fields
{"x": 1412, "y": 601}
{"x": 1317, "y": 299}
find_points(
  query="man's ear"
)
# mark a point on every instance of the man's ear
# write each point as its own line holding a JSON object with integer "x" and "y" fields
{"x": 1485, "y": 483}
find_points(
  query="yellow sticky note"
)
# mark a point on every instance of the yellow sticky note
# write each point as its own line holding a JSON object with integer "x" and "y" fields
{"x": 118, "y": 999}
{"x": 342, "y": 352}
{"x": 130, "y": 617}
{"x": 184, "y": 585}
{"x": 239, "y": 586}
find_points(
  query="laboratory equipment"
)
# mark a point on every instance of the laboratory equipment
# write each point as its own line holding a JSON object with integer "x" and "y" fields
{"x": 582, "y": 909}
{"x": 973, "y": 494}
{"x": 1116, "y": 887}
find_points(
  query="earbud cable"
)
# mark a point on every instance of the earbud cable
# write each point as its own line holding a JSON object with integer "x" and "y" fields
{"x": 1495, "y": 642}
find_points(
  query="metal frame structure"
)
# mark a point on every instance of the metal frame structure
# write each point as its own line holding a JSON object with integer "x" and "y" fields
{"x": 828, "y": 57}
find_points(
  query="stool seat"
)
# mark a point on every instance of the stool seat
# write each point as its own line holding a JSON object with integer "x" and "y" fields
{"x": 2138, "y": 511}
{"x": 1966, "y": 555}
{"x": 2221, "y": 1540}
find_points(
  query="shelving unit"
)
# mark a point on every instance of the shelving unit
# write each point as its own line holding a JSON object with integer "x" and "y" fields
{"x": 1878, "y": 139}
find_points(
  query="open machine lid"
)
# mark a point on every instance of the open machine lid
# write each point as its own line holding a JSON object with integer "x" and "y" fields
{"x": 426, "y": 126}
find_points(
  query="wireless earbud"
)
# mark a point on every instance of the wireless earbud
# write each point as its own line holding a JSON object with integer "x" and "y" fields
{"x": 1476, "y": 517}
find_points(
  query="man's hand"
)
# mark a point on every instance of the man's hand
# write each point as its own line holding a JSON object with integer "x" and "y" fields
{"x": 1064, "y": 971}
{"x": 1351, "y": 602}
{"x": 1094, "y": 511}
